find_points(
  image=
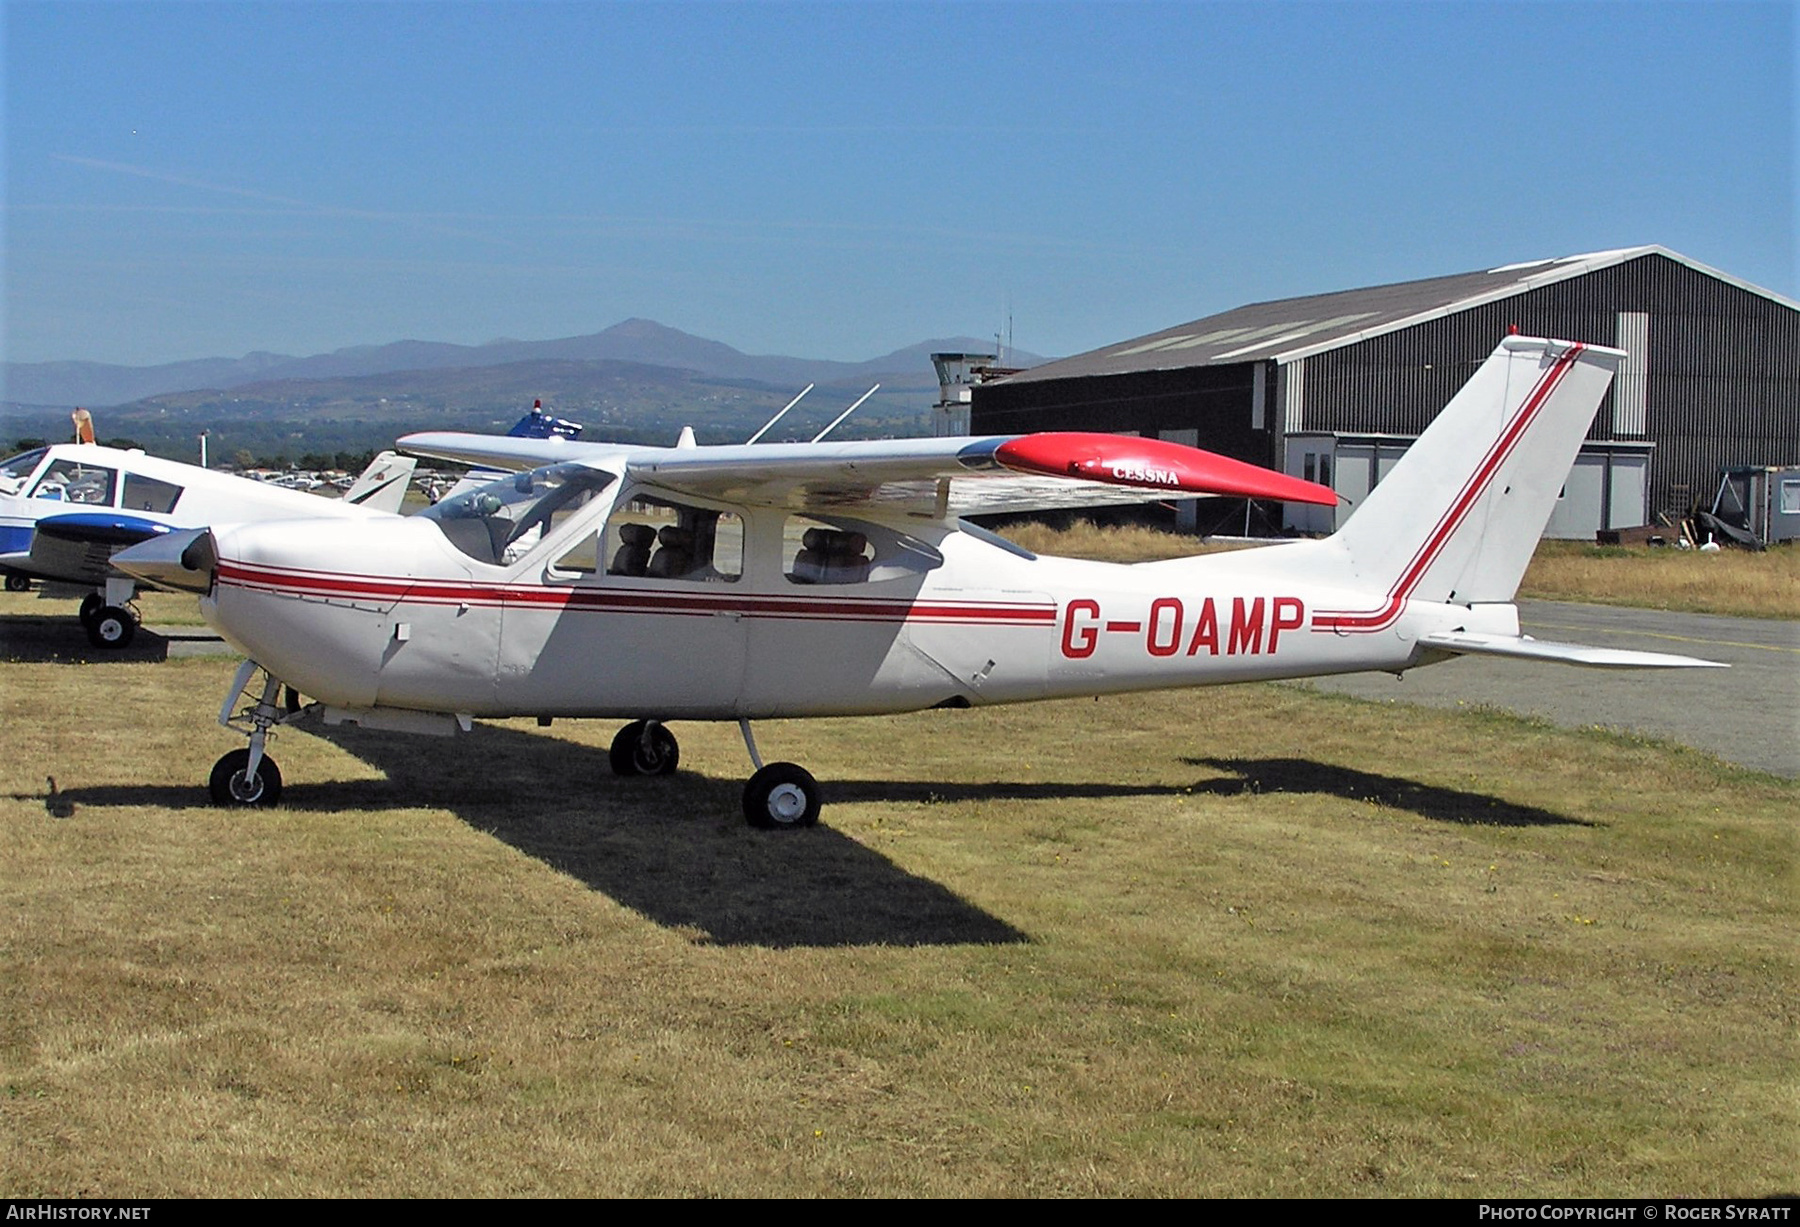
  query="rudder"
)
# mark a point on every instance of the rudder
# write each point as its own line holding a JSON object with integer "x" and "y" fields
{"x": 1458, "y": 517}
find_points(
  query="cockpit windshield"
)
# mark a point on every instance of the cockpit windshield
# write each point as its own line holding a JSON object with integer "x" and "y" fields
{"x": 16, "y": 470}
{"x": 497, "y": 523}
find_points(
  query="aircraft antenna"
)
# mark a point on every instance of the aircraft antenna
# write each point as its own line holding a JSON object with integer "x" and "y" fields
{"x": 765, "y": 430}
{"x": 846, "y": 413}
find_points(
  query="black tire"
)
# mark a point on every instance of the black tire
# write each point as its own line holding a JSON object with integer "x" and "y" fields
{"x": 229, "y": 786}
{"x": 634, "y": 753}
{"x": 111, "y": 627}
{"x": 17, "y": 583}
{"x": 782, "y": 796}
{"x": 91, "y": 604}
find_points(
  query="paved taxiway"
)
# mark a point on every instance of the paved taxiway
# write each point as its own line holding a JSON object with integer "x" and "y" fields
{"x": 1748, "y": 714}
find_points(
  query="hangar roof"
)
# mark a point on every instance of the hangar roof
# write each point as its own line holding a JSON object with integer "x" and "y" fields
{"x": 1291, "y": 328}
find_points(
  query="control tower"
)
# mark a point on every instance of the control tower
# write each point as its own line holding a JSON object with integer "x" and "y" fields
{"x": 957, "y": 373}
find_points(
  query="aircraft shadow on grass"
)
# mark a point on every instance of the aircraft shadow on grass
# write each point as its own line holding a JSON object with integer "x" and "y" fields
{"x": 1395, "y": 792}
{"x": 673, "y": 848}
{"x": 31, "y": 639}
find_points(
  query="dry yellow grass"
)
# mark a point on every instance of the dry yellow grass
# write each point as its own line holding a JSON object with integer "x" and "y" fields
{"x": 1236, "y": 942}
{"x": 1765, "y": 585}
{"x": 1106, "y": 543}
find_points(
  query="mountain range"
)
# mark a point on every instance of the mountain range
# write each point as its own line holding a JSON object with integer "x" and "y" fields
{"x": 98, "y": 384}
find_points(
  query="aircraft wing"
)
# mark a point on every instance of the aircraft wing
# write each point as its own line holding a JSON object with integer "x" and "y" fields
{"x": 78, "y": 547}
{"x": 941, "y": 478}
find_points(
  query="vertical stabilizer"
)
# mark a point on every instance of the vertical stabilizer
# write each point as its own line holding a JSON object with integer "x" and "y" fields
{"x": 382, "y": 486}
{"x": 1460, "y": 514}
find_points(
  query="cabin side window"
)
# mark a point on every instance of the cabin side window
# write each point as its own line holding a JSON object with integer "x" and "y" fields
{"x": 650, "y": 537}
{"x": 815, "y": 551}
{"x": 148, "y": 494}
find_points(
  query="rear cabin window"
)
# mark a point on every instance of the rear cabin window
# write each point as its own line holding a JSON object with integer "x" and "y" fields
{"x": 650, "y": 537}
{"x": 819, "y": 552}
{"x": 148, "y": 494}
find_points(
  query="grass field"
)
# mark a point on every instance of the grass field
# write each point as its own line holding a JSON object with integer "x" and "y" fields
{"x": 1243, "y": 942}
{"x": 1745, "y": 585}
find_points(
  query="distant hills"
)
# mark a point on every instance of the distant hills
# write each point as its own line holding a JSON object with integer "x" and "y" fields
{"x": 638, "y": 381}
{"x": 99, "y": 385}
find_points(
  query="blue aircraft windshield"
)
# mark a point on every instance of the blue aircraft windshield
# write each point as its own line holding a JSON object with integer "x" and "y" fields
{"x": 498, "y": 522}
{"x": 15, "y": 470}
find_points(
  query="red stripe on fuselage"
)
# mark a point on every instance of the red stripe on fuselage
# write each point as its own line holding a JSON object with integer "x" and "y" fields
{"x": 325, "y": 586}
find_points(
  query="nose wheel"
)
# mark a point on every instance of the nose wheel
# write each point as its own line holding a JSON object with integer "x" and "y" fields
{"x": 233, "y": 783}
{"x": 249, "y": 777}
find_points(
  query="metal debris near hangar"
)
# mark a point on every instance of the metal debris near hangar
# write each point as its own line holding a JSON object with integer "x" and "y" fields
{"x": 1334, "y": 387}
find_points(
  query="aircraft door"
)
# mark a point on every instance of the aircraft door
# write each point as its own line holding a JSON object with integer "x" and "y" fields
{"x": 640, "y": 616}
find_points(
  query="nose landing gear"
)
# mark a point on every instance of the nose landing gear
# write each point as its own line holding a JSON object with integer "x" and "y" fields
{"x": 249, "y": 777}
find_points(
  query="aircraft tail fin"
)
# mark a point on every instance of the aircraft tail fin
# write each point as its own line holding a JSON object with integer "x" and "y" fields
{"x": 540, "y": 425}
{"x": 1459, "y": 516}
{"x": 382, "y": 486}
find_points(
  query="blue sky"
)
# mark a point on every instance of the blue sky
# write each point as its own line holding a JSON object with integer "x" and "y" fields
{"x": 192, "y": 179}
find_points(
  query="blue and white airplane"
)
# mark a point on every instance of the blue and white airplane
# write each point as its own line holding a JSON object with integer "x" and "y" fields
{"x": 67, "y": 508}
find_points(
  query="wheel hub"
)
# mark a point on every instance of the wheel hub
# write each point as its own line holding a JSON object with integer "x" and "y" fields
{"x": 786, "y": 803}
{"x": 246, "y": 789}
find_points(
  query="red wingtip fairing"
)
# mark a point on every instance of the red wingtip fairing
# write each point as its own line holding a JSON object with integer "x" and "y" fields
{"x": 1156, "y": 464}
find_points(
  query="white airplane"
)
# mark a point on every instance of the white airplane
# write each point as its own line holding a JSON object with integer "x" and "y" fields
{"x": 65, "y": 509}
{"x": 832, "y": 579}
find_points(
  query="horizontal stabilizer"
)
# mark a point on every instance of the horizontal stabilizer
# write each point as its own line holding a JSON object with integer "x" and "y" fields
{"x": 1524, "y": 647}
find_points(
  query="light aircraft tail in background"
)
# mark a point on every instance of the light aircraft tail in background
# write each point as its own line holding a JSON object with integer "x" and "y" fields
{"x": 827, "y": 579}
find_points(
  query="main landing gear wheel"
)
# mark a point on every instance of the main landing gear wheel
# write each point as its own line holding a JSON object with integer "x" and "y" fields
{"x": 230, "y": 785}
{"x": 644, "y": 747}
{"x": 17, "y": 583}
{"x": 111, "y": 627}
{"x": 782, "y": 796}
{"x": 91, "y": 604}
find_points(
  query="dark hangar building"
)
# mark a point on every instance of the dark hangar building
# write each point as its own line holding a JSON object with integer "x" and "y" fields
{"x": 1333, "y": 387}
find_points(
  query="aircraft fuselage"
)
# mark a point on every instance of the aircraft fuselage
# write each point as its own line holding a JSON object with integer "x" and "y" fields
{"x": 401, "y": 618}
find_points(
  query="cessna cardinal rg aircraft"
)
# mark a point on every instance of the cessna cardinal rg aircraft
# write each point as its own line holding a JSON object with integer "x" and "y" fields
{"x": 746, "y": 582}
{"x": 65, "y": 509}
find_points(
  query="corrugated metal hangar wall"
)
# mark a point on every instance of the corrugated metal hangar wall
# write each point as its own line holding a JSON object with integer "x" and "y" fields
{"x": 1334, "y": 386}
